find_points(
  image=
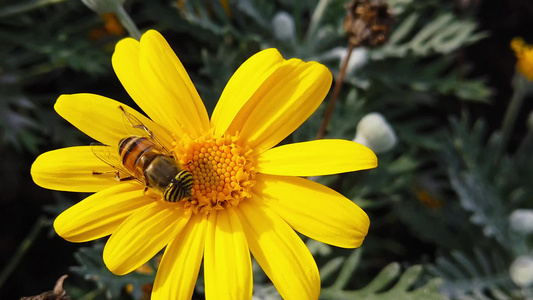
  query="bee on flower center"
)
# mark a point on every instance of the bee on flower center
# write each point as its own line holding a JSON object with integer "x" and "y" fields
{"x": 143, "y": 158}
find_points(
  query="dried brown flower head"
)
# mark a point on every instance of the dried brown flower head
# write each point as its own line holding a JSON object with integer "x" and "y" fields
{"x": 368, "y": 22}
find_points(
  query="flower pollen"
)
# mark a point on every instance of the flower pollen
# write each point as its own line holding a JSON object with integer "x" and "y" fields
{"x": 223, "y": 171}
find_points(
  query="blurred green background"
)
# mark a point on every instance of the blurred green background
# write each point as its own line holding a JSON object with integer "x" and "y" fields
{"x": 441, "y": 198}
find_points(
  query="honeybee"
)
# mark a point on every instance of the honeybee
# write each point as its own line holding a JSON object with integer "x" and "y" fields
{"x": 142, "y": 157}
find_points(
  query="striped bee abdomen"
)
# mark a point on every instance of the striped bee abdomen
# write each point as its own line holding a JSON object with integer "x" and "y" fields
{"x": 179, "y": 187}
{"x": 132, "y": 149}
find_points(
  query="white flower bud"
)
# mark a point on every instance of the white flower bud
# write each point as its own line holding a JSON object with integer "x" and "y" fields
{"x": 522, "y": 220}
{"x": 376, "y": 133}
{"x": 283, "y": 25}
{"x": 521, "y": 271}
{"x": 103, "y": 6}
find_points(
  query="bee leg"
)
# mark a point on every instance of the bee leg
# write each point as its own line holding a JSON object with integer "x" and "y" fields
{"x": 117, "y": 175}
{"x": 108, "y": 172}
{"x": 124, "y": 178}
{"x": 100, "y": 173}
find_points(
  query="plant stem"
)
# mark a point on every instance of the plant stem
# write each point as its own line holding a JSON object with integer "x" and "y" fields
{"x": 127, "y": 22}
{"x": 512, "y": 111}
{"x": 336, "y": 90}
{"x": 25, "y": 7}
{"x": 23, "y": 248}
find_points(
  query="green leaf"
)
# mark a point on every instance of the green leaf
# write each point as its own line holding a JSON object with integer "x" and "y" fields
{"x": 92, "y": 267}
{"x": 441, "y": 34}
{"x": 482, "y": 180}
{"x": 390, "y": 284}
{"x": 481, "y": 276}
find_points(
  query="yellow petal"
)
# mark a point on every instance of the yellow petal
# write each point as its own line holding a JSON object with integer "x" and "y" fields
{"x": 156, "y": 95}
{"x": 279, "y": 251}
{"x": 314, "y": 210}
{"x": 281, "y": 104}
{"x": 227, "y": 264}
{"x": 100, "y": 214}
{"x": 242, "y": 85}
{"x": 125, "y": 62}
{"x": 142, "y": 235}
{"x": 102, "y": 119}
{"x": 174, "y": 99}
{"x": 178, "y": 270}
{"x": 314, "y": 158}
{"x": 71, "y": 169}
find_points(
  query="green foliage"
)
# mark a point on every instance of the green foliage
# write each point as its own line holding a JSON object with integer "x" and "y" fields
{"x": 390, "y": 283}
{"x": 481, "y": 276}
{"x": 440, "y": 200}
{"x": 92, "y": 267}
{"x": 421, "y": 34}
{"x": 483, "y": 181}
{"x": 35, "y": 57}
{"x": 435, "y": 77}
{"x": 443, "y": 34}
{"x": 17, "y": 127}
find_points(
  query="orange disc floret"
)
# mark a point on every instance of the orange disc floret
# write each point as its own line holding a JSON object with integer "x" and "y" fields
{"x": 222, "y": 169}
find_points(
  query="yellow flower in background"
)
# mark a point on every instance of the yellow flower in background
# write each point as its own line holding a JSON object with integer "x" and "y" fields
{"x": 246, "y": 196}
{"x": 524, "y": 55}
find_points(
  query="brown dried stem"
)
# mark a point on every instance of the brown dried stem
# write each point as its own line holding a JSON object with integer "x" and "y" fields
{"x": 335, "y": 95}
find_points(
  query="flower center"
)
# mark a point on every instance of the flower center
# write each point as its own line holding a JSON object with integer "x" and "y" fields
{"x": 223, "y": 171}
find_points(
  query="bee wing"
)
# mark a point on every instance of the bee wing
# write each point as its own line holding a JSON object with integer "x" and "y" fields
{"x": 136, "y": 128}
{"x": 106, "y": 154}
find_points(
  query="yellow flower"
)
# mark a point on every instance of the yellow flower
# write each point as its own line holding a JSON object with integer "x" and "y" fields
{"x": 246, "y": 196}
{"x": 524, "y": 55}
